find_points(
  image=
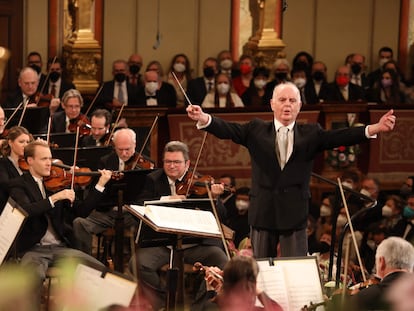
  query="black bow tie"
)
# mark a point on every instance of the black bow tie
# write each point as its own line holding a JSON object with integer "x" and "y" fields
{"x": 149, "y": 96}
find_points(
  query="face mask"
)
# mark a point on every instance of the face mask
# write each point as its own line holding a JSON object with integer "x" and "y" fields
{"x": 356, "y": 69}
{"x": 120, "y": 77}
{"x": 259, "y": 83}
{"x": 281, "y": 76}
{"x": 226, "y": 63}
{"x": 36, "y": 68}
{"x": 408, "y": 212}
{"x": 325, "y": 210}
{"x": 341, "y": 221}
{"x": 383, "y": 60}
{"x": 242, "y": 205}
{"x": 134, "y": 69}
{"x": 386, "y": 82}
{"x": 342, "y": 81}
{"x": 371, "y": 244}
{"x": 300, "y": 82}
{"x": 245, "y": 69}
{"x": 324, "y": 247}
{"x": 179, "y": 67}
{"x": 365, "y": 192}
{"x": 347, "y": 184}
{"x": 386, "y": 211}
{"x": 208, "y": 72}
{"x": 318, "y": 76}
{"x": 151, "y": 87}
{"x": 223, "y": 88}
{"x": 54, "y": 76}
{"x": 405, "y": 190}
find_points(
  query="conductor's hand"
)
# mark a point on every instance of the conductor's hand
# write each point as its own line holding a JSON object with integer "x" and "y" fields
{"x": 106, "y": 175}
{"x": 385, "y": 124}
{"x": 196, "y": 113}
{"x": 65, "y": 194}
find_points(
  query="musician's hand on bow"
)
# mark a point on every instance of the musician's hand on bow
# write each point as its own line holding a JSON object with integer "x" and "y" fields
{"x": 65, "y": 194}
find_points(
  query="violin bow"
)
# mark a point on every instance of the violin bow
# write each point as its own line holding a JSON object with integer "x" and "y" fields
{"x": 146, "y": 141}
{"x": 47, "y": 78}
{"x": 351, "y": 229}
{"x": 13, "y": 114}
{"x": 23, "y": 112}
{"x": 75, "y": 156}
{"x": 116, "y": 122}
{"x": 93, "y": 100}
{"x": 49, "y": 125}
{"x": 196, "y": 163}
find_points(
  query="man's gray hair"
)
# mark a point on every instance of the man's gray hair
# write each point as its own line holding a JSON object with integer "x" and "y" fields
{"x": 397, "y": 252}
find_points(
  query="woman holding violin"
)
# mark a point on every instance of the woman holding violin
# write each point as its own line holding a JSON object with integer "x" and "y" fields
{"x": 68, "y": 120}
{"x": 12, "y": 150}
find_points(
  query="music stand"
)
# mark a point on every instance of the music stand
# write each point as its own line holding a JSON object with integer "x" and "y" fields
{"x": 63, "y": 140}
{"x": 87, "y": 156}
{"x": 35, "y": 119}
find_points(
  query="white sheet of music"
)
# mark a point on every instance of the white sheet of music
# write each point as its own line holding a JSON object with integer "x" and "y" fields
{"x": 293, "y": 283}
{"x": 98, "y": 292}
{"x": 11, "y": 219}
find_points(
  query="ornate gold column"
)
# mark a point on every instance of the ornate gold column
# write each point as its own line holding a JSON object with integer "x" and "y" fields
{"x": 81, "y": 50}
{"x": 265, "y": 44}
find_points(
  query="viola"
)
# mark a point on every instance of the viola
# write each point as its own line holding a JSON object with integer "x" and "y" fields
{"x": 360, "y": 286}
{"x": 82, "y": 122}
{"x": 137, "y": 161}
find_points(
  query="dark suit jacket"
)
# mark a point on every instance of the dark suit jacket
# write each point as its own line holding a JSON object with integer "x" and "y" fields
{"x": 196, "y": 90}
{"x": 279, "y": 198}
{"x": 14, "y": 99}
{"x": 58, "y": 122}
{"x": 331, "y": 92}
{"x": 310, "y": 93}
{"x": 104, "y": 100}
{"x": 25, "y": 191}
{"x": 166, "y": 96}
{"x": 64, "y": 86}
{"x": 7, "y": 172}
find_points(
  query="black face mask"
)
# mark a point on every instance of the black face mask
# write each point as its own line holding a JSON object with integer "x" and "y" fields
{"x": 324, "y": 247}
{"x": 120, "y": 77}
{"x": 134, "y": 69}
{"x": 208, "y": 72}
{"x": 54, "y": 76}
{"x": 356, "y": 69}
{"x": 36, "y": 68}
{"x": 318, "y": 76}
{"x": 281, "y": 76}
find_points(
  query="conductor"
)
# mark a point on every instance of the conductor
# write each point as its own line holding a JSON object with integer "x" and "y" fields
{"x": 282, "y": 154}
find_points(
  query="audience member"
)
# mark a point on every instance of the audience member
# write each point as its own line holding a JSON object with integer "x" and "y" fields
{"x": 358, "y": 76}
{"x": 254, "y": 95}
{"x": 180, "y": 66}
{"x": 387, "y": 89}
{"x": 405, "y": 226}
{"x": 303, "y": 60}
{"x": 225, "y": 62}
{"x": 391, "y": 211}
{"x": 300, "y": 79}
{"x": 242, "y": 82}
{"x": 199, "y": 87}
{"x": 34, "y": 60}
{"x": 239, "y": 222}
{"x": 407, "y": 187}
{"x": 223, "y": 96}
{"x": 281, "y": 73}
{"x": 154, "y": 92}
{"x": 134, "y": 66}
{"x": 385, "y": 54}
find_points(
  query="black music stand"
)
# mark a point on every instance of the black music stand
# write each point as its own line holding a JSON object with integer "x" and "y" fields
{"x": 62, "y": 140}
{"x": 35, "y": 119}
{"x": 87, "y": 156}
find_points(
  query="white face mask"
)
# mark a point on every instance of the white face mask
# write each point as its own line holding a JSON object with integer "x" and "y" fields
{"x": 325, "y": 210}
{"x": 365, "y": 192}
{"x": 226, "y": 63}
{"x": 179, "y": 67}
{"x": 372, "y": 245}
{"x": 151, "y": 87}
{"x": 386, "y": 211}
{"x": 347, "y": 184}
{"x": 260, "y": 83}
{"x": 223, "y": 88}
{"x": 383, "y": 60}
{"x": 341, "y": 221}
{"x": 300, "y": 82}
{"x": 242, "y": 205}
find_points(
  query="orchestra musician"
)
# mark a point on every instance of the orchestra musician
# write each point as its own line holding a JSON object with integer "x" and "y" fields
{"x": 45, "y": 236}
{"x": 124, "y": 141}
{"x": 2, "y": 123}
{"x": 12, "y": 150}
{"x": 66, "y": 121}
{"x": 100, "y": 128}
{"x": 161, "y": 184}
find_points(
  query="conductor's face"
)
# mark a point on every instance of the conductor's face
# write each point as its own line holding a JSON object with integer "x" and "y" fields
{"x": 175, "y": 165}
{"x": 286, "y": 103}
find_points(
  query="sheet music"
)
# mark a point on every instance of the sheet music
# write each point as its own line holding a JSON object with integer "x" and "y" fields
{"x": 11, "y": 220}
{"x": 98, "y": 292}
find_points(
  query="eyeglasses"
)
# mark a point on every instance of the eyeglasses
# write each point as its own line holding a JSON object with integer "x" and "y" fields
{"x": 3, "y": 119}
{"x": 175, "y": 162}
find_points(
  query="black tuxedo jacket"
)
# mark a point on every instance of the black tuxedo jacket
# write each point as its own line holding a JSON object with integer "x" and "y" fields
{"x": 166, "y": 96}
{"x": 7, "y": 172}
{"x": 331, "y": 92}
{"x": 104, "y": 100}
{"x": 310, "y": 92}
{"x": 58, "y": 122}
{"x": 14, "y": 99}
{"x": 64, "y": 86}
{"x": 279, "y": 198}
{"x": 197, "y": 90}
{"x": 25, "y": 191}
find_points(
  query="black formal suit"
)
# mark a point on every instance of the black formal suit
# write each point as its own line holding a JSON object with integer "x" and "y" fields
{"x": 310, "y": 92}
{"x": 25, "y": 191}
{"x": 196, "y": 90}
{"x": 64, "y": 86}
{"x": 58, "y": 122}
{"x": 332, "y": 92}
{"x": 14, "y": 99}
{"x": 165, "y": 96}
{"x": 105, "y": 98}
{"x": 401, "y": 226}
{"x": 279, "y": 198}
{"x": 7, "y": 172}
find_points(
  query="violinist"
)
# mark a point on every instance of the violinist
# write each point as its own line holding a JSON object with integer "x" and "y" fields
{"x": 46, "y": 236}
{"x": 100, "y": 219}
{"x": 100, "y": 124}
{"x": 70, "y": 118}
{"x": 160, "y": 184}
{"x": 12, "y": 150}
{"x": 28, "y": 82}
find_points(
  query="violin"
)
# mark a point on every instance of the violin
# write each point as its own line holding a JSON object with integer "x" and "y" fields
{"x": 82, "y": 122}
{"x": 137, "y": 161}
{"x": 214, "y": 278}
{"x": 355, "y": 289}
{"x": 41, "y": 100}
{"x": 23, "y": 165}
{"x": 193, "y": 184}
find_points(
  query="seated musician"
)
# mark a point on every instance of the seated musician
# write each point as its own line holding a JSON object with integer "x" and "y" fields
{"x": 2, "y": 123}
{"x": 66, "y": 121}
{"x": 45, "y": 237}
{"x": 100, "y": 126}
{"x": 161, "y": 184}
{"x": 124, "y": 141}
{"x": 12, "y": 150}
